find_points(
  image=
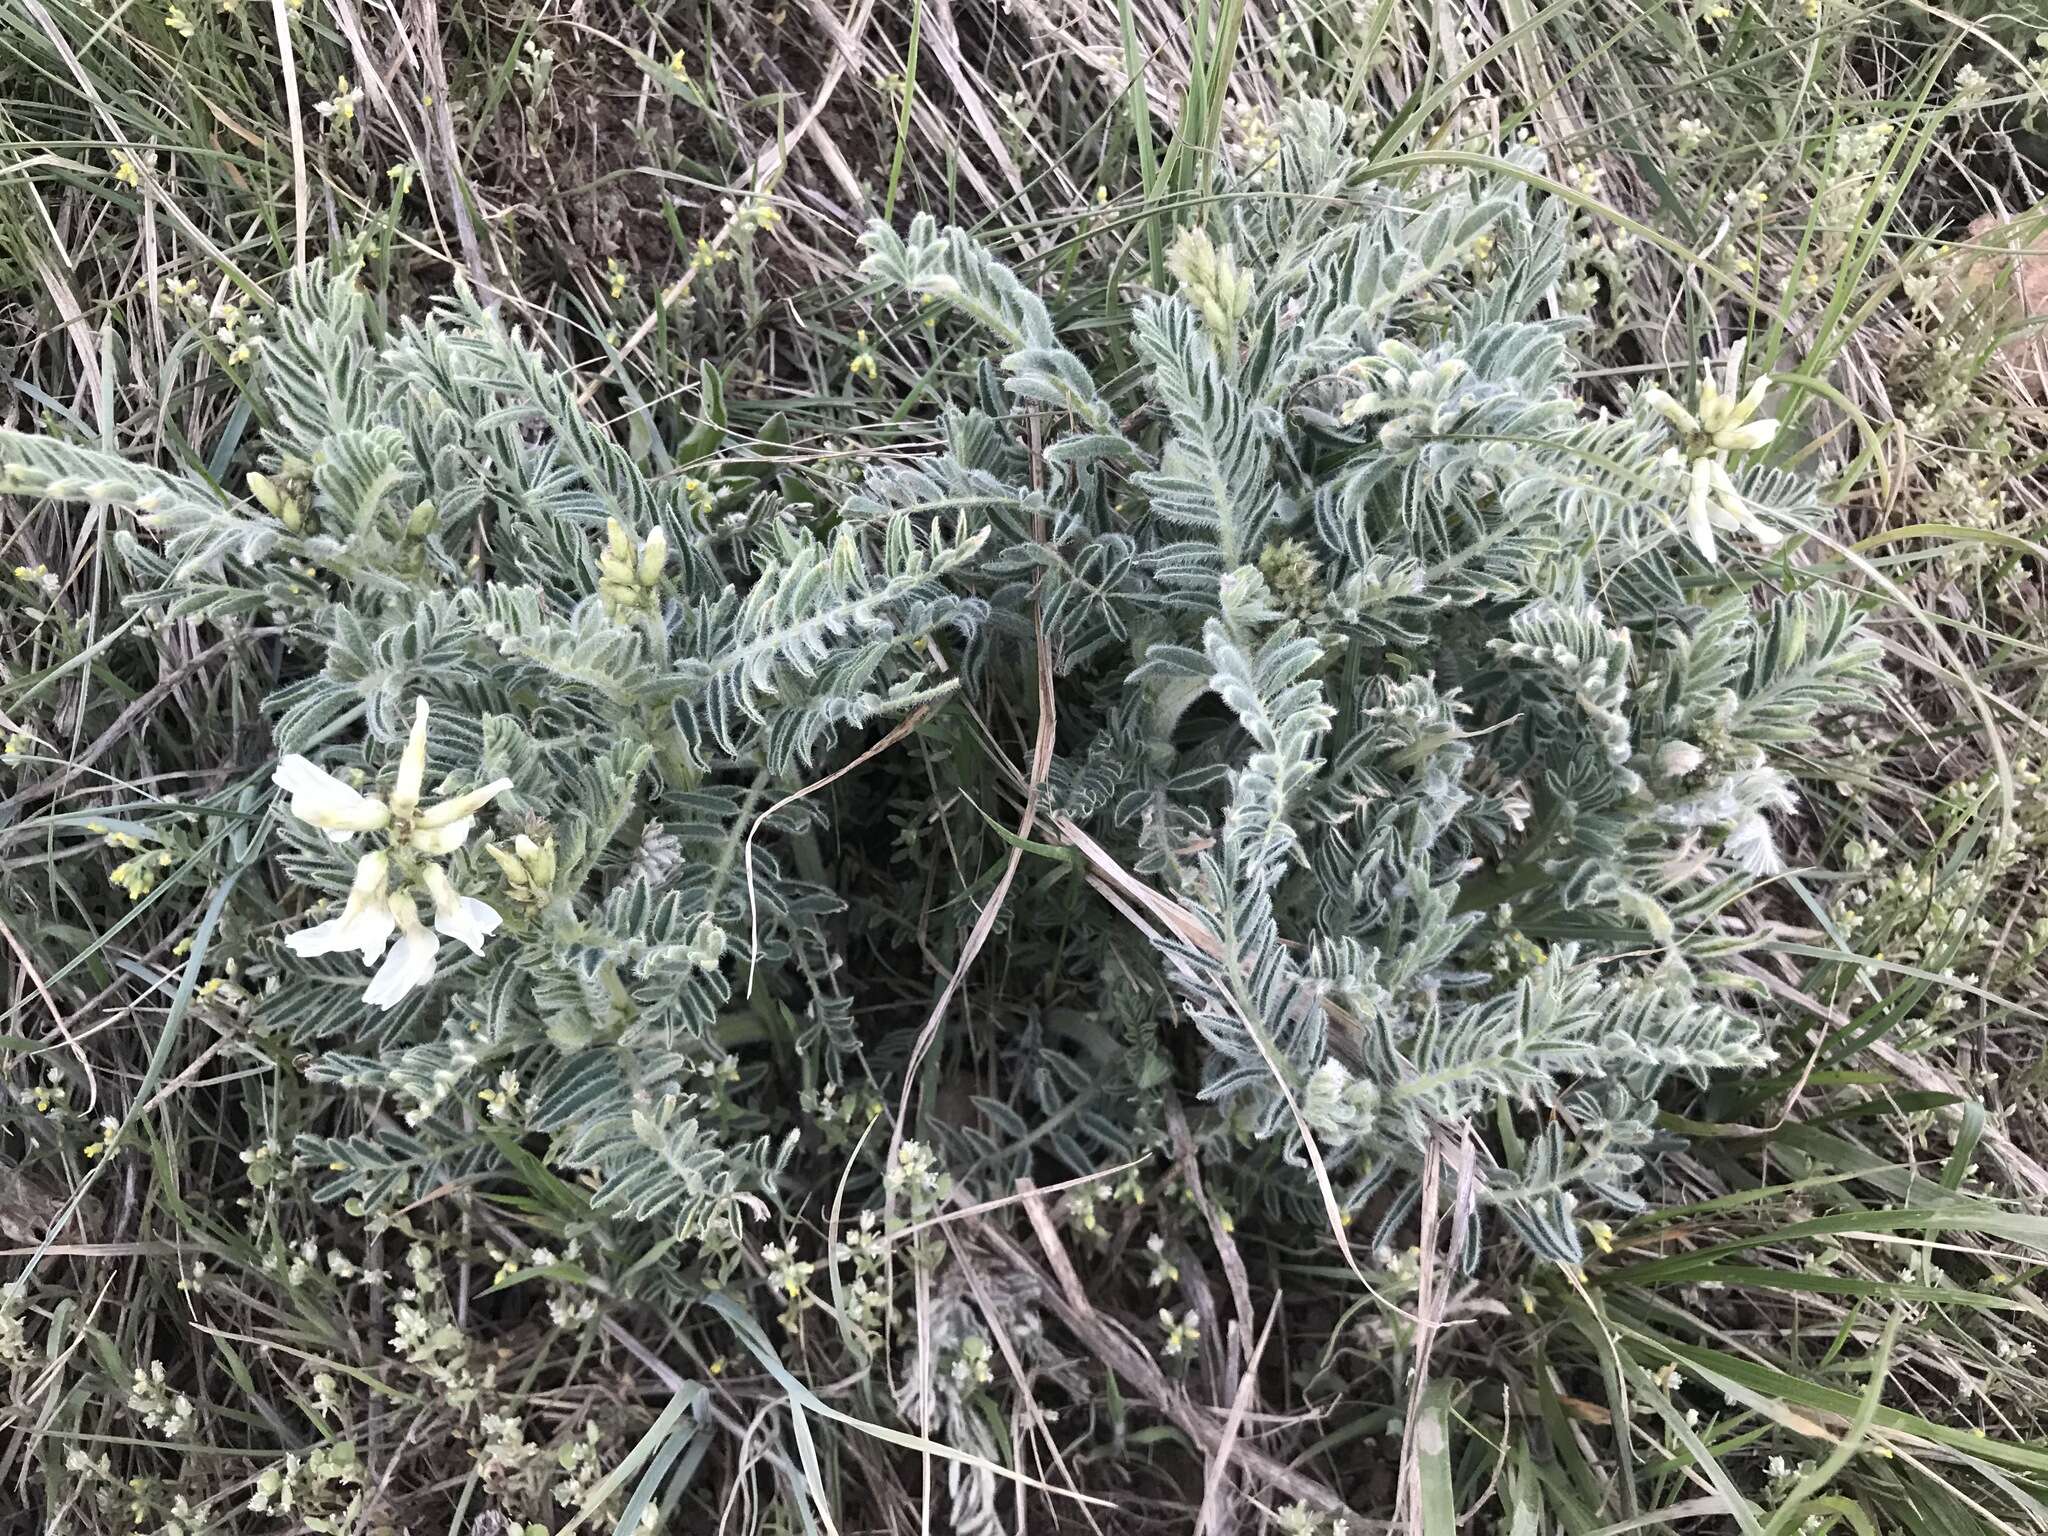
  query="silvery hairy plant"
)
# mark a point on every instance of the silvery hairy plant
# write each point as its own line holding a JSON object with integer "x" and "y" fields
{"x": 1445, "y": 713}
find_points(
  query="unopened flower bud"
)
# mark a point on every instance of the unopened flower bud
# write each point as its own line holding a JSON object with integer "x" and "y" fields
{"x": 265, "y": 490}
{"x": 653, "y": 556}
{"x": 528, "y": 868}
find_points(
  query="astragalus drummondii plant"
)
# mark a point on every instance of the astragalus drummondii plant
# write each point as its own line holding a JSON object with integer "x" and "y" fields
{"x": 1411, "y": 726}
{"x": 1428, "y": 693}
{"x": 436, "y": 518}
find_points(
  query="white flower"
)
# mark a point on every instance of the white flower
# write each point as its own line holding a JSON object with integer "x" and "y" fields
{"x": 445, "y": 827}
{"x": 1714, "y": 502}
{"x": 365, "y": 923}
{"x": 411, "y": 961}
{"x": 462, "y": 918}
{"x": 412, "y": 765}
{"x": 1723, "y": 411}
{"x": 441, "y": 828}
{"x": 320, "y": 799}
{"x": 1722, "y": 423}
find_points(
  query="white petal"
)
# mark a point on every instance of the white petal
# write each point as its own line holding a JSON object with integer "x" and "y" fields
{"x": 365, "y": 923}
{"x": 470, "y": 922}
{"x": 462, "y": 918}
{"x": 1752, "y": 402}
{"x": 1733, "y": 386}
{"x": 463, "y": 806}
{"x": 442, "y": 839}
{"x": 320, "y": 799}
{"x": 1747, "y": 439}
{"x": 1711, "y": 411}
{"x": 1699, "y": 521}
{"x": 1671, "y": 410}
{"x": 412, "y": 766}
{"x": 410, "y": 964}
{"x": 1735, "y": 511}
{"x": 1675, "y": 759}
{"x": 366, "y": 932}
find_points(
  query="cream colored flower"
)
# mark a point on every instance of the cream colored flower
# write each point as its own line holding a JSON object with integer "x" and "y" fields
{"x": 1723, "y": 422}
{"x": 1714, "y": 502}
{"x": 365, "y": 923}
{"x": 463, "y": 918}
{"x": 374, "y": 911}
{"x": 440, "y": 828}
{"x": 412, "y": 765}
{"x": 411, "y": 961}
{"x": 321, "y": 800}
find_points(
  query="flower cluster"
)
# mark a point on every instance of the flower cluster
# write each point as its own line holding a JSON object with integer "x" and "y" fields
{"x": 629, "y": 574}
{"x": 1723, "y": 422}
{"x": 915, "y": 1174}
{"x": 151, "y": 1399}
{"x": 417, "y": 836}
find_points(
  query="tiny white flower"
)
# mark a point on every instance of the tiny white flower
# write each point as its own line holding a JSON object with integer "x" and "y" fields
{"x": 321, "y": 800}
{"x": 462, "y": 918}
{"x": 365, "y": 923}
{"x": 411, "y": 961}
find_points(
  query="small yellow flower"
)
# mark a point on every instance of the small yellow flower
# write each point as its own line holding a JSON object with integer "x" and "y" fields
{"x": 341, "y": 106}
{"x": 864, "y": 365}
{"x": 125, "y": 172}
{"x": 180, "y": 23}
{"x": 1181, "y": 1335}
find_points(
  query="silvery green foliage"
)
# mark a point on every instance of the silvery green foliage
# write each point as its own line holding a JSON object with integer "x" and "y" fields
{"x": 1378, "y": 652}
{"x": 441, "y": 520}
{"x": 1386, "y": 655}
